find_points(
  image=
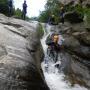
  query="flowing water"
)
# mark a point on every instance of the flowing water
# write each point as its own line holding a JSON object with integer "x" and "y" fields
{"x": 54, "y": 78}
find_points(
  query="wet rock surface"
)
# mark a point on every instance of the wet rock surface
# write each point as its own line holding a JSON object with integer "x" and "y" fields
{"x": 75, "y": 56}
{"x": 77, "y": 45}
{"x": 20, "y": 56}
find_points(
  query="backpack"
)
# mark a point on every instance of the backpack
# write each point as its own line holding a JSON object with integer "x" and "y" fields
{"x": 49, "y": 41}
{"x": 55, "y": 39}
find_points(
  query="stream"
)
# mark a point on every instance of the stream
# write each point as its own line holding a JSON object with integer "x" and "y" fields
{"x": 55, "y": 78}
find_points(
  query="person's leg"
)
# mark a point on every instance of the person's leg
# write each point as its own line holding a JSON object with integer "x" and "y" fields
{"x": 48, "y": 51}
{"x": 62, "y": 20}
{"x": 56, "y": 56}
{"x": 52, "y": 52}
{"x": 23, "y": 15}
{"x": 9, "y": 12}
{"x": 56, "y": 52}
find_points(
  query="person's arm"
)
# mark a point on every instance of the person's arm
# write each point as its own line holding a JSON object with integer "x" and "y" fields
{"x": 26, "y": 6}
{"x": 62, "y": 39}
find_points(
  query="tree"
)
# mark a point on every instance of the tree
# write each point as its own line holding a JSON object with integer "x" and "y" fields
{"x": 4, "y": 7}
{"x": 44, "y": 16}
{"x": 18, "y": 13}
{"x": 51, "y": 7}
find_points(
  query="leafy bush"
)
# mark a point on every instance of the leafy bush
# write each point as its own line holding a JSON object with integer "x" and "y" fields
{"x": 51, "y": 7}
{"x": 18, "y": 13}
{"x": 87, "y": 18}
{"x": 4, "y": 7}
{"x": 40, "y": 31}
{"x": 44, "y": 16}
{"x": 79, "y": 10}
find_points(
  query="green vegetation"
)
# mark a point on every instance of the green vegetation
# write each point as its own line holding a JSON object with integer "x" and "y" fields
{"x": 5, "y": 10}
{"x": 40, "y": 31}
{"x": 4, "y": 7}
{"x": 53, "y": 7}
{"x": 18, "y": 13}
{"x": 43, "y": 16}
{"x": 87, "y": 14}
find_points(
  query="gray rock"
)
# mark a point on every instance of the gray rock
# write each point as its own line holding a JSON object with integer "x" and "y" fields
{"x": 20, "y": 56}
{"x": 66, "y": 2}
{"x": 75, "y": 47}
{"x": 76, "y": 57}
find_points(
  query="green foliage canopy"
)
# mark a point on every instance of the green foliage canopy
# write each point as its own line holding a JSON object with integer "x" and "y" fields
{"x": 51, "y": 7}
{"x": 4, "y": 7}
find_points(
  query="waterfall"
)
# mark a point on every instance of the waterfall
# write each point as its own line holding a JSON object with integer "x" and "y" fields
{"x": 54, "y": 78}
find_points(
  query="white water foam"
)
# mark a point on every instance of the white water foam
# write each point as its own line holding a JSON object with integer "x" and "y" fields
{"x": 54, "y": 79}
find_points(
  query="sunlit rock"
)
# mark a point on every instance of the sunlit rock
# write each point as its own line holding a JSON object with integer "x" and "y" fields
{"x": 20, "y": 56}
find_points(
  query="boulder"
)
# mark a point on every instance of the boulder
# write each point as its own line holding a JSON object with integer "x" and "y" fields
{"x": 84, "y": 38}
{"x": 76, "y": 47}
{"x": 75, "y": 58}
{"x": 66, "y": 2}
{"x": 20, "y": 56}
{"x": 86, "y": 3}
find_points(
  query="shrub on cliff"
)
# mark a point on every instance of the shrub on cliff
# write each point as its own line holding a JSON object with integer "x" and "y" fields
{"x": 87, "y": 15}
{"x": 51, "y": 7}
{"x": 4, "y": 7}
{"x": 40, "y": 31}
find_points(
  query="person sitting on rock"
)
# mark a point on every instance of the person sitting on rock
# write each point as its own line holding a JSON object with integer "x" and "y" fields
{"x": 24, "y": 10}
